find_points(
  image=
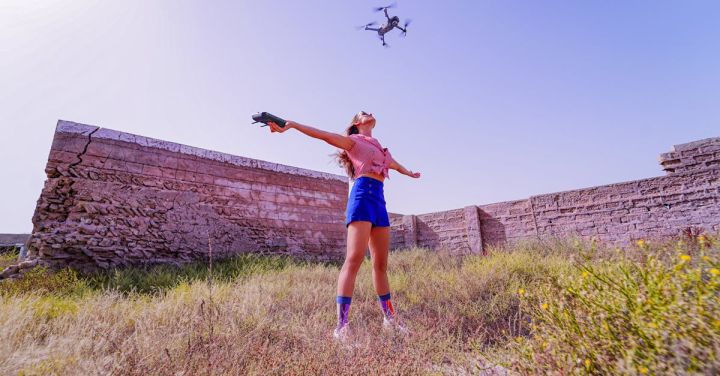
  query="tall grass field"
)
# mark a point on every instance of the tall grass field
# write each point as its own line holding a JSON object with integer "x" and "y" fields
{"x": 558, "y": 308}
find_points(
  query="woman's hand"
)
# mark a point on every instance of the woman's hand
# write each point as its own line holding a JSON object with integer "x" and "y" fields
{"x": 276, "y": 128}
{"x": 414, "y": 174}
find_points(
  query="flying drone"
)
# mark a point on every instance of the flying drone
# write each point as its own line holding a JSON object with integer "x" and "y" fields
{"x": 391, "y": 23}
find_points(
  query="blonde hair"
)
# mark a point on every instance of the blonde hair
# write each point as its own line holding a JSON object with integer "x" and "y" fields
{"x": 342, "y": 156}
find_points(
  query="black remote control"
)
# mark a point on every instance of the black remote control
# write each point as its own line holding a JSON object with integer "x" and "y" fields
{"x": 266, "y": 117}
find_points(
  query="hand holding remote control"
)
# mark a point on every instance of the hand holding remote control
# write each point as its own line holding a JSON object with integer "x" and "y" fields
{"x": 276, "y": 128}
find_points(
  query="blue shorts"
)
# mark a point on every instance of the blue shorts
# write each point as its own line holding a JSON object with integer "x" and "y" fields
{"x": 367, "y": 203}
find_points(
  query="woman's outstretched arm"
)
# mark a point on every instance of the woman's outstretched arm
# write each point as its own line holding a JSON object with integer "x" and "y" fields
{"x": 334, "y": 139}
{"x": 397, "y": 166}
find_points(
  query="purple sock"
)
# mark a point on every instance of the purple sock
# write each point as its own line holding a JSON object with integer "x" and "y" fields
{"x": 343, "y": 309}
{"x": 386, "y": 305}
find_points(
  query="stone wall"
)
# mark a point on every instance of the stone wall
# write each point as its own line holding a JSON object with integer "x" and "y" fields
{"x": 688, "y": 197}
{"x": 115, "y": 199}
{"x": 698, "y": 155}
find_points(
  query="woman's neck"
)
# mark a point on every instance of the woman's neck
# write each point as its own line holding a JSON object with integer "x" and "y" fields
{"x": 367, "y": 133}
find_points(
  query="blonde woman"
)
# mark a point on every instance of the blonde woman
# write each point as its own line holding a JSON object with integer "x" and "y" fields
{"x": 367, "y": 222}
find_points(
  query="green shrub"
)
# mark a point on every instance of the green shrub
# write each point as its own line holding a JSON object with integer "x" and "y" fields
{"x": 39, "y": 280}
{"x": 8, "y": 258}
{"x": 646, "y": 315}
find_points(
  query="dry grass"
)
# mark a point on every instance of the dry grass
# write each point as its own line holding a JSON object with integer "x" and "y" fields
{"x": 274, "y": 320}
{"x": 275, "y": 316}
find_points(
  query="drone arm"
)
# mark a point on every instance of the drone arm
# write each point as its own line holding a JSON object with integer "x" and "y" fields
{"x": 334, "y": 139}
{"x": 386, "y": 14}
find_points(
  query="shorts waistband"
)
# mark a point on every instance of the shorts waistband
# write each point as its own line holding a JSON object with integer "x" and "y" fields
{"x": 368, "y": 180}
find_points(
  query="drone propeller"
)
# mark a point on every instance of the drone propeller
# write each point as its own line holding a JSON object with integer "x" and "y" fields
{"x": 366, "y": 25}
{"x": 387, "y": 7}
{"x": 407, "y": 22}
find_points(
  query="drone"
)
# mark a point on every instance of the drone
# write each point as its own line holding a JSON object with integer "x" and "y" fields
{"x": 391, "y": 23}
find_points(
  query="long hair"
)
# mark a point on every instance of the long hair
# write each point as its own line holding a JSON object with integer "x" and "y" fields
{"x": 342, "y": 156}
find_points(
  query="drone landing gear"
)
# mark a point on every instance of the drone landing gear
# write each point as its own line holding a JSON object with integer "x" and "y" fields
{"x": 380, "y": 35}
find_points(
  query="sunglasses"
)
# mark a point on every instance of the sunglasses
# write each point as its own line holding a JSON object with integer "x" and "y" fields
{"x": 365, "y": 113}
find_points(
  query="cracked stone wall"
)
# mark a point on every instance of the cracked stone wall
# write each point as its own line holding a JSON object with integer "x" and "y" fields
{"x": 116, "y": 199}
{"x": 687, "y": 197}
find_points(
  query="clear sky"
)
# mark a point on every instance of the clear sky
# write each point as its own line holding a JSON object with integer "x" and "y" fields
{"x": 489, "y": 100}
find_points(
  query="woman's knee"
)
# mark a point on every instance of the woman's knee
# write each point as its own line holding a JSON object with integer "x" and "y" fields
{"x": 353, "y": 263}
{"x": 380, "y": 266}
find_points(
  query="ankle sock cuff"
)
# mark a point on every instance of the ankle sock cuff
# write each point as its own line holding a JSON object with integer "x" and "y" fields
{"x": 344, "y": 299}
{"x": 384, "y": 298}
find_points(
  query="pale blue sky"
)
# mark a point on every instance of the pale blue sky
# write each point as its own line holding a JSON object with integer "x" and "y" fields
{"x": 490, "y": 100}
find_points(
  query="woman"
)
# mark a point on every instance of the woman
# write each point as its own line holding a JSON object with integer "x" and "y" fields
{"x": 367, "y": 222}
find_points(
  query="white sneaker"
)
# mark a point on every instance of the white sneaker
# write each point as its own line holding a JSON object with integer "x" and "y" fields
{"x": 393, "y": 325}
{"x": 342, "y": 334}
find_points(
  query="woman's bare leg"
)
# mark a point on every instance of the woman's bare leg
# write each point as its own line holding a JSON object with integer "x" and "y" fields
{"x": 357, "y": 242}
{"x": 379, "y": 249}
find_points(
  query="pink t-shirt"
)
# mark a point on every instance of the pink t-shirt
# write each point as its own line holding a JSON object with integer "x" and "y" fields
{"x": 368, "y": 156}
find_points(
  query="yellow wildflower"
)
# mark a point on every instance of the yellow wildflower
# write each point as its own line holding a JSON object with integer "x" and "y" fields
{"x": 643, "y": 370}
{"x": 544, "y": 306}
{"x": 706, "y": 259}
{"x": 587, "y": 363}
{"x": 685, "y": 257}
{"x": 640, "y": 243}
{"x": 585, "y": 274}
{"x": 714, "y": 271}
{"x": 521, "y": 291}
